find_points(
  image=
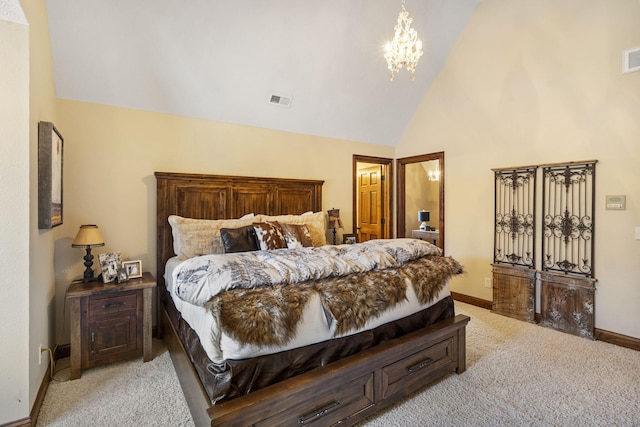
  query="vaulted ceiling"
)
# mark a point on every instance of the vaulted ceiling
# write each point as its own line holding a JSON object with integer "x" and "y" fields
{"x": 223, "y": 61}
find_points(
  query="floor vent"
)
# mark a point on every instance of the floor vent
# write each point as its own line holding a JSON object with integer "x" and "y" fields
{"x": 631, "y": 60}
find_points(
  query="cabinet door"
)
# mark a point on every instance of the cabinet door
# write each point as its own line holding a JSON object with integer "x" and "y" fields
{"x": 113, "y": 328}
{"x": 111, "y": 337}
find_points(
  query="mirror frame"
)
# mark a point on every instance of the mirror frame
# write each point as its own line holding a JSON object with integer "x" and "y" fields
{"x": 401, "y": 191}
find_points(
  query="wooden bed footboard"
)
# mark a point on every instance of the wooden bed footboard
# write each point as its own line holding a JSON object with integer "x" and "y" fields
{"x": 345, "y": 391}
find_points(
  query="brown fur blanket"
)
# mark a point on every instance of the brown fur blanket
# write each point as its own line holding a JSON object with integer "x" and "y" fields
{"x": 266, "y": 316}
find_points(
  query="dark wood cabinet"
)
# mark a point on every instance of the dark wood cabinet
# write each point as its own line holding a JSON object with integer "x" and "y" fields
{"x": 109, "y": 322}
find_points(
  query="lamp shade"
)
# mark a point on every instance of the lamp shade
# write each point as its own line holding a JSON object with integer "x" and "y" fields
{"x": 334, "y": 218}
{"x": 88, "y": 235}
{"x": 423, "y": 216}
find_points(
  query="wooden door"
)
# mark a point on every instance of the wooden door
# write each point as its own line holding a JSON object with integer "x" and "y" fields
{"x": 370, "y": 194}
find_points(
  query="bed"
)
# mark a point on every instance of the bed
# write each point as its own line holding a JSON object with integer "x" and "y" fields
{"x": 323, "y": 375}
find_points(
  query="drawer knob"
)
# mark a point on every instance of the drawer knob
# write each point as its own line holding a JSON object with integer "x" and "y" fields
{"x": 418, "y": 366}
{"x": 321, "y": 413}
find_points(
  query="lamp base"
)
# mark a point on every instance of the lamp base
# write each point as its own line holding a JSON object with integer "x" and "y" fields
{"x": 424, "y": 226}
{"x": 88, "y": 262}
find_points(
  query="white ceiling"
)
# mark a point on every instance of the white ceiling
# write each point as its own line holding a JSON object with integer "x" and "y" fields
{"x": 222, "y": 61}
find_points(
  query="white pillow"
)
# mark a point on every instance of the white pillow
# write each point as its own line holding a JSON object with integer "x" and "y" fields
{"x": 195, "y": 237}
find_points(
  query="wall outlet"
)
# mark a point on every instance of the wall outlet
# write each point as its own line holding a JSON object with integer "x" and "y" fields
{"x": 487, "y": 282}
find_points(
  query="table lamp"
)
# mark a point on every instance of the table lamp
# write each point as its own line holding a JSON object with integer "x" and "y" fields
{"x": 334, "y": 221}
{"x": 423, "y": 216}
{"x": 88, "y": 237}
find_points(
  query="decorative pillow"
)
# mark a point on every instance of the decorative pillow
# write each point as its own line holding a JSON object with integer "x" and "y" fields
{"x": 269, "y": 236}
{"x": 195, "y": 237}
{"x": 315, "y": 222}
{"x": 241, "y": 239}
{"x": 296, "y": 235}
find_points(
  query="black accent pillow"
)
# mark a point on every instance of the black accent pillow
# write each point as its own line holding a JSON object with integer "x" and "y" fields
{"x": 241, "y": 239}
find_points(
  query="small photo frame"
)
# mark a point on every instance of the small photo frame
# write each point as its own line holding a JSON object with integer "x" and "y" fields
{"x": 133, "y": 268}
{"x": 349, "y": 239}
{"x": 122, "y": 275}
{"x": 109, "y": 264}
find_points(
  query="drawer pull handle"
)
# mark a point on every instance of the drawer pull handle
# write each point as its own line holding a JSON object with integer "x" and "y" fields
{"x": 415, "y": 368}
{"x": 321, "y": 413}
{"x": 115, "y": 304}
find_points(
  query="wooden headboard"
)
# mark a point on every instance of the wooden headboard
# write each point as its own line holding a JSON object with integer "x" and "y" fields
{"x": 224, "y": 197}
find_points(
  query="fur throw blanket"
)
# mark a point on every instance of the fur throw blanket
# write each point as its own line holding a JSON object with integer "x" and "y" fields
{"x": 270, "y": 314}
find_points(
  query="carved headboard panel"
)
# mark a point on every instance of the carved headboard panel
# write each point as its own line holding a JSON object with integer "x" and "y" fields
{"x": 223, "y": 197}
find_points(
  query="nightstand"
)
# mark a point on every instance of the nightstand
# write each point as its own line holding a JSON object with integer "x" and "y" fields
{"x": 426, "y": 235}
{"x": 109, "y": 321}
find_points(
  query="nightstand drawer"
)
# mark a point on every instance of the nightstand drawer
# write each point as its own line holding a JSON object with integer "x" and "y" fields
{"x": 106, "y": 305}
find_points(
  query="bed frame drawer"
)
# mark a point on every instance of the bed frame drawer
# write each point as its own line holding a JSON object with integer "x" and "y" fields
{"x": 329, "y": 406}
{"x": 419, "y": 368}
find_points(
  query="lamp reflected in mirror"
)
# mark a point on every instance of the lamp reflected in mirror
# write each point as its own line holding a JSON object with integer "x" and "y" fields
{"x": 423, "y": 217}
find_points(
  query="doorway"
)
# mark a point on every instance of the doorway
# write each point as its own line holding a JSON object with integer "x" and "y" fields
{"x": 372, "y": 191}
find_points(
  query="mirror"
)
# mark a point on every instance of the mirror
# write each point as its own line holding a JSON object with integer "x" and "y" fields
{"x": 421, "y": 188}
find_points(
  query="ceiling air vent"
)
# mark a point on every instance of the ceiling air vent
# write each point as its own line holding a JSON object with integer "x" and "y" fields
{"x": 280, "y": 100}
{"x": 631, "y": 60}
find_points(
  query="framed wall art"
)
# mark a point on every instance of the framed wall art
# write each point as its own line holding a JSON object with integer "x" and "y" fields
{"x": 50, "y": 146}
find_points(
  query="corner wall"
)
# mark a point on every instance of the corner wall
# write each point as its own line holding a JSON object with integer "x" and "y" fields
{"x": 14, "y": 216}
{"x": 534, "y": 82}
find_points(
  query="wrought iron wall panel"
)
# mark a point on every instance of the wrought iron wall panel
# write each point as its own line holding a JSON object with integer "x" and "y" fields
{"x": 568, "y": 218}
{"x": 515, "y": 198}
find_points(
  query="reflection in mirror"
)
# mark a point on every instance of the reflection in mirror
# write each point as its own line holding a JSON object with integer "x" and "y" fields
{"x": 420, "y": 189}
{"x": 422, "y": 194}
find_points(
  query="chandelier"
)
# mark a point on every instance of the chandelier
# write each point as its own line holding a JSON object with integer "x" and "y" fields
{"x": 434, "y": 175}
{"x": 406, "y": 48}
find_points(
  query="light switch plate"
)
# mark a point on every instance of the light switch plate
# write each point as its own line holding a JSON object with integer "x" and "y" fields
{"x": 616, "y": 202}
{"x": 637, "y": 233}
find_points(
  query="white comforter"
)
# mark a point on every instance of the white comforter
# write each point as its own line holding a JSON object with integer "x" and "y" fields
{"x": 199, "y": 279}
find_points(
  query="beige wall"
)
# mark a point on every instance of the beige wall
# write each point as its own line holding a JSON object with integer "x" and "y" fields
{"x": 41, "y": 242}
{"x": 14, "y": 219}
{"x": 112, "y": 153}
{"x": 533, "y": 82}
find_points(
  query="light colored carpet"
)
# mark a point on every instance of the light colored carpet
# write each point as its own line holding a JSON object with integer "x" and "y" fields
{"x": 518, "y": 374}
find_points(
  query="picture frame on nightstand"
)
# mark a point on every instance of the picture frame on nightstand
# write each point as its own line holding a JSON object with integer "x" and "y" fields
{"x": 109, "y": 264}
{"x": 133, "y": 268}
{"x": 349, "y": 239}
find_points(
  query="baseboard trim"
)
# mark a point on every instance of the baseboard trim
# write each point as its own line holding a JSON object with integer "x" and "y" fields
{"x": 35, "y": 411}
{"x": 618, "y": 339}
{"x": 600, "y": 335}
{"x": 25, "y": 422}
{"x": 42, "y": 391}
{"x": 479, "y": 302}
